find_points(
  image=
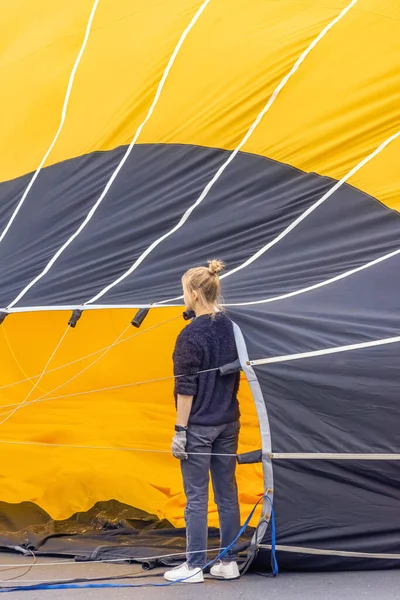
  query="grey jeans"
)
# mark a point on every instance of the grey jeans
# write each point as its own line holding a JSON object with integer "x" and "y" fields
{"x": 205, "y": 442}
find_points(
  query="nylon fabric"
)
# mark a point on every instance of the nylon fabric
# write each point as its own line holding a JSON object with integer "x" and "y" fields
{"x": 349, "y": 521}
{"x": 66, "y": 480}
{"x": 305, "y": 94}
{"x": 347, "y": 231}
{"x": 346, "y": 108}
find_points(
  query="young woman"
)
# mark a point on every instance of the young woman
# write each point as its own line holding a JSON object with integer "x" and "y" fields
{"x": 207, "y": 423}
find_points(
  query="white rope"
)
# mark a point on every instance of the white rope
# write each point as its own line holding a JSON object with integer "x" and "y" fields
{"x": 315, "y": 286}
{"x": 119, "y": 448}
{"x": 96, "y": 360}
{"x": 331, "y": 456}
{"x": 76, "y": 360}
{"x": 289, "y": 357}
{"x": 231, "y": 157}
{"x": 93, "y": 391}
{"x": 104, "y": 351}
{"x": 97, "y": 390}
{"x": 106, "y": 389}
{"x": 62, "y": 121}
{"x": 257, "y": 362}
{"x": 311, "y": 209}
{"x": 161, "y": 304}
{"x": 111, "y": 560}
{"x": 274, "y": 455}
{"x": 120, "y": 165}
{"x": 20, "y": 581}
{"x": 64, "y": 366}
{"x": 61, "y": 307}
{"x": 24, "y": 401}
{"x": 304, "y": 290}
{"x": 296, "y": 222}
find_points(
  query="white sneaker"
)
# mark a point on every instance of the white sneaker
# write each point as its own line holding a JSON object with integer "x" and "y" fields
{"x": 185, "y": 574}
{"x": 225, "y": 570}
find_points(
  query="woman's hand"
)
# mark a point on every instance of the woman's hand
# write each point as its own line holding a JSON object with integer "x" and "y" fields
{"x": 184, "y": 406}
{"x": 179, "y": 445}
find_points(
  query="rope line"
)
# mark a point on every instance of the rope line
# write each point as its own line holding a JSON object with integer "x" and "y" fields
{"x": 27, "y": 569}
{"x": 96, "y": 360}
{"x": 273, "y": 455}
{"x": 24, "y": 401}
{"x": 114, "y": 560}
{"x": 258, "y": 362}
{"x": 86, "y": 307}
{"x": 119, "y": 448}
{"x": 138, "y": 574}
{"x": 14, "y": 356}
{"x": 95, "y": 391}
{"x": 76, "y": 360}
{"x": 104, "y": 351}
{"x": 118, "y": 340}
{"x": 113, "y": 387}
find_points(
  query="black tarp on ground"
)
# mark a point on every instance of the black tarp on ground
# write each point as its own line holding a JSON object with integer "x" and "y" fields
{"x": 110, "y": 530}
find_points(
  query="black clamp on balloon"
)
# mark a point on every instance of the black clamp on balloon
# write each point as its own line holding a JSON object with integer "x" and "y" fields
{"x": 3, "y": 315}
{"x": 76, "y": 315}
{"x": 230, "y": 368}
{"x": 188, "y": 315}
{"x": 140, "y": 317}
{"x": 249, "y": 458}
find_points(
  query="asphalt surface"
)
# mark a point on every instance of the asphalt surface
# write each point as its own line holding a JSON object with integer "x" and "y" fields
{"x": 370, "y": 585}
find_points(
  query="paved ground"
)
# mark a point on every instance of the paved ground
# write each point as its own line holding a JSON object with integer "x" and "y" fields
{"x": 379, "y": 585}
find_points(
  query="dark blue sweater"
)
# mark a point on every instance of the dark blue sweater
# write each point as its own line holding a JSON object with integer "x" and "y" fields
{"x": 208, "y": 342}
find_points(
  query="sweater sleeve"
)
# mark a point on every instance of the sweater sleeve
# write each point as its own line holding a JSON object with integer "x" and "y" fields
{"x": 188, "y": 356}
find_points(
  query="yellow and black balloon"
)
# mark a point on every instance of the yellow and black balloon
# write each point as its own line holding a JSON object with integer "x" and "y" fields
{"x": 131, "y": 150}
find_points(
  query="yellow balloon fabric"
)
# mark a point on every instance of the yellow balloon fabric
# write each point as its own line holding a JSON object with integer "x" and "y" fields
{"x": 107, "y": 433}
{"x": 335, "y": 110}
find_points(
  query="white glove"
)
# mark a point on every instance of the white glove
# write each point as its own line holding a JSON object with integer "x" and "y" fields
{"x": 179, "y": 445}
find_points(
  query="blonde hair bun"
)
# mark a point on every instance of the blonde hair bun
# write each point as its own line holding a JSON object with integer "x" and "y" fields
{"x": 216, "y": 266}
